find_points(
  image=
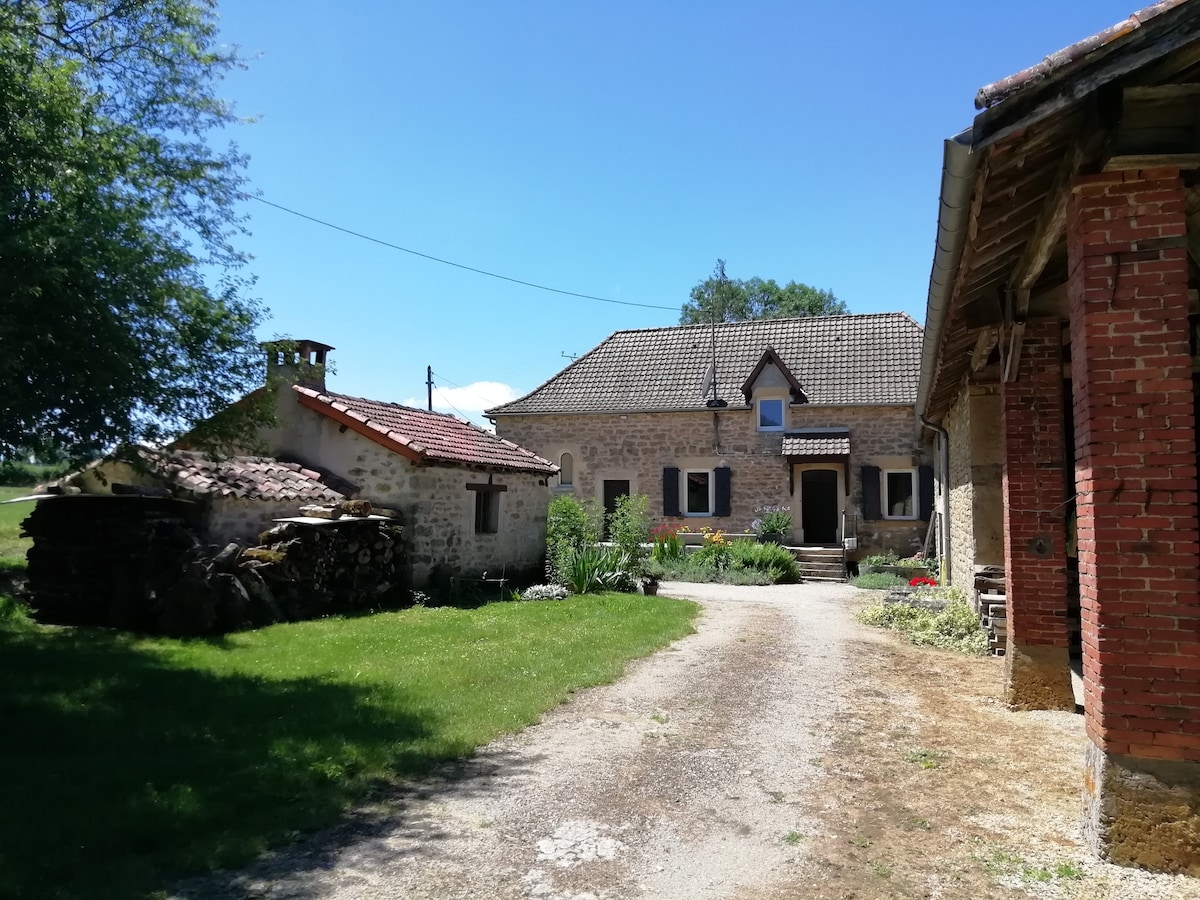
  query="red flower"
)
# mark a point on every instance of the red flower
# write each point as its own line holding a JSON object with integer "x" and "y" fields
{"x": 923, "y": 581}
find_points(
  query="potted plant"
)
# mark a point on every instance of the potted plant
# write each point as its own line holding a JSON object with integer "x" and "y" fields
{"x": 773, "y": 524}
{"x": 652, "y": 573}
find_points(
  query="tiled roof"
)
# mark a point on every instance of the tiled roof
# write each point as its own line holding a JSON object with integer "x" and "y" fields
{"x": 422, "y": 435}
{"x": 247, "y": 477}
{"x": 868, "y": 359}
{"x": 833, "y": 442}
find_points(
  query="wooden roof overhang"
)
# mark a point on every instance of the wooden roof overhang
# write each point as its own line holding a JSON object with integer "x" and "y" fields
{"x": 1013, "y": 264}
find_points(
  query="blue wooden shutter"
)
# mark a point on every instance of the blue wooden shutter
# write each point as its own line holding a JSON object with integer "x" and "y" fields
{"x": 870, "y": 487}
{"x": 926, "y": 474}
{"x": 670, "y": 492}
{"x": 724, "y": 500}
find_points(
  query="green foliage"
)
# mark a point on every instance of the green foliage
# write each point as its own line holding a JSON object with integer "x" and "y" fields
{"x": 772, "y": 520}
{"x": 954, "y": 628}
{"x": 590, "y": 570}
{"x": 12, "y": 546}
{"x": 279, "y": 731}
{"x": 667, "y": 544}
{"x": 18, "y": 474}
{"x": 116, "y": 216}
{"x": 772, "y": 560}
{"x": 879, "y": 581}
{"x": 734, "y": 562}
{"x": 629, "y": 525}
{"x": 880, "y": 559}
{"x": 735, "y": 301}
{"x": 570, "y": 526}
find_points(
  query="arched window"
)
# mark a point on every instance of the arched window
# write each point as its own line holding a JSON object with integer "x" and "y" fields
{"x": 566, "y": 475}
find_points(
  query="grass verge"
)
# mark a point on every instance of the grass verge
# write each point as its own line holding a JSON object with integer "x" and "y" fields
{"x": 879, "y": 581}
{"x": 954, "y": 628}
{"x": 133, "y": 760}
{"x": 12, "y": 545}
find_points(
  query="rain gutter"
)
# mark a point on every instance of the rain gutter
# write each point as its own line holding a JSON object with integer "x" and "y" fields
{"x": 959, "y": 165}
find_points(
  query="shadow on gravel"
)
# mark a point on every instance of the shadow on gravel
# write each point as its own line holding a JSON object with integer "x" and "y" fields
{"x": 394, "y": 828}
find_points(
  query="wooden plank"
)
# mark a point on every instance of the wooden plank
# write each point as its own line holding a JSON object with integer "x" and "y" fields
{"x": 984, "y": 345}
{"x": 1182, "y": 161}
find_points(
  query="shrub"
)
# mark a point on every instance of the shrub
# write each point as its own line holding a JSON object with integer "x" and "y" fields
{"x": 956, "y": 627}
{"x": 880, "y": 559}
{"x": 770, "y": 559}
{"x": 588, "y": 570}
{"x": 545, "y": 592}
{"x": 879, "y": 581}
{"x": 570, "y": 526}
{"x": 629, "y": 525}
{"x": 772, "y": 520}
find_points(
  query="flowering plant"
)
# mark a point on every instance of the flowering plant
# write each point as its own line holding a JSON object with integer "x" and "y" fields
{"x": 667, "y": 544}
{"x": 772, "y": 520}
{"x": 923, "y": 581}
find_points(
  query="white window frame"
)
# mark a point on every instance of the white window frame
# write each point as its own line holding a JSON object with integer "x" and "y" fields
{"x": 886, "y": 499}
{"x": 782, "y": 413}
{"x": 712, "y": 491}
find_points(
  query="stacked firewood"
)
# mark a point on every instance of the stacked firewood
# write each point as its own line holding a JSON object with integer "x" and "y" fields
{"x": 135, "y": 563}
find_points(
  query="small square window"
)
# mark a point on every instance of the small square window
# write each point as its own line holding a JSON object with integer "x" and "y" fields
{"x": 899, "y": 494}
{"x": 487, "y": 512}
{"x": 699, "y": 493}
{"x": 770, "y": 415}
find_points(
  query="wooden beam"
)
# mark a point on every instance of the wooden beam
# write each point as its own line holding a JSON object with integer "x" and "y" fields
{"x": 1180, "y": 161}
{"x": 1052, "y": 221}
{"x": 985, "y": 343}
{"x": 1013, "y": 362}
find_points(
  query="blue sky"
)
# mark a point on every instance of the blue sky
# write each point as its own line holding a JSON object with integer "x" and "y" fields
{"x": 615, "y": 149}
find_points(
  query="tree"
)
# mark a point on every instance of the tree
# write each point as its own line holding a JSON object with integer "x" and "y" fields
{"x": 736, "y": 301}
{"x": 114, "y": 209}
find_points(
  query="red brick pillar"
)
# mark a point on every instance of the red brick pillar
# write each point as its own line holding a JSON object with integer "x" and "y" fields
{"x": 1037, "y": 665}
{"x": 1139, "y": 546}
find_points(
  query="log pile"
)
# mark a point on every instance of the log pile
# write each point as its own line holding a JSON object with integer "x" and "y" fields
{"x": 136, "y": 563}
{"x": 990, "y": 604}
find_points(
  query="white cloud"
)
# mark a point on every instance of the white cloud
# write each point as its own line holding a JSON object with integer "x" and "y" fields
{"x": 469, "y": 401}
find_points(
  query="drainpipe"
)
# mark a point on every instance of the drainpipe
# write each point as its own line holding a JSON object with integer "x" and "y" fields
{"x": 944, "y": 504}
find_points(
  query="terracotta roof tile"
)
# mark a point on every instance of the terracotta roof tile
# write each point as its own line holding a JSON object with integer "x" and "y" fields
{"x": 862, "y": 360}
{"x": 429, "y": 435}
{"x": 247, "y": 477}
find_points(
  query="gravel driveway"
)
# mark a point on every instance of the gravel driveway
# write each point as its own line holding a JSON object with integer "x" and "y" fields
{"x": 782, "y": 751}
{"x": 692, "y": 777}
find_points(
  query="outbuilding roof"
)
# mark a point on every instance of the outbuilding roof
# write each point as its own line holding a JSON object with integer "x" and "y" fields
{"x": 423, "y": 436}
{"x": 837, "y": 360}
{"x": 244, "y": 477}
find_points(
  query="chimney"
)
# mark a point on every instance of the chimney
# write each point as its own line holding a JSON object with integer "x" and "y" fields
{"x": 297, "y": 362}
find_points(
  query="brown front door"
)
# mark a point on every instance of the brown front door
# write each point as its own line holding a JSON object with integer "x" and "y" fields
{"x": 818, "y": 501}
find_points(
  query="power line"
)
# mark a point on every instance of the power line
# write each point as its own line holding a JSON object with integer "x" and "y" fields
{"x": 461, "y": 388}
{"x": 447, "y": 262}
{"x": 449, "y": 404}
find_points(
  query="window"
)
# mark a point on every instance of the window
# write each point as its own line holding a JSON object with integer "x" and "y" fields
{"x": 566, "y": 466}
{"x": 699, "y": 493}
{"x": 899, "y": 494}
{"x": 770, "y": 415}
{"x": 487, "y": 506}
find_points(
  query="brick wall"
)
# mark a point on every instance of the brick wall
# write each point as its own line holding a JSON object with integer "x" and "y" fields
{"x": 638, "y": 446}
{"x": 1136, "y": 464}
{"x": 1034, "y": 495}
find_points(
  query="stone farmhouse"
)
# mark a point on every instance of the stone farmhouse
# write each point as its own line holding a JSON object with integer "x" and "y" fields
{"x": 714, "y": 422}
{"x": 472, "y": 502}
{"x": 1059, "y": 362}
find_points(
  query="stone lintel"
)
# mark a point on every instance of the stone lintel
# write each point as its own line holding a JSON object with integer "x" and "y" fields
{"x": 1037, "y": 676}
{"x": 1141, "y": 812}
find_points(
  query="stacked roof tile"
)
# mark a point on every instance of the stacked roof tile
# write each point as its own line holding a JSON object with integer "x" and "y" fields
{"x": 428, "y": 436}
{"x": 838, "y": 360}
{"x": 245, "y": 477}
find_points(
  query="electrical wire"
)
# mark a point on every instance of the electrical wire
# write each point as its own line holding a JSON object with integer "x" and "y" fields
{"x": 447, "y": 262}
{"x": 438, "y": 390}
{"x": 470, "y": 393}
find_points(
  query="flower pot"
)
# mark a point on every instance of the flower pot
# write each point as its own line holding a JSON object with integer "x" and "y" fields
{"x": 771, "y": 537}
{"x": 650, "y": 588}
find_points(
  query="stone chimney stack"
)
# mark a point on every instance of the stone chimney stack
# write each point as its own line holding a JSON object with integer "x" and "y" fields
{"x": 297, "y": 362}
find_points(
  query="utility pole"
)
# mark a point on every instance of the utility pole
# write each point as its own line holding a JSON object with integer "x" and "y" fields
{"x": 429, "y": 385}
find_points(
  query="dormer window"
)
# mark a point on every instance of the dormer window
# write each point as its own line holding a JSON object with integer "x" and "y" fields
{"x": 770, "y": 414}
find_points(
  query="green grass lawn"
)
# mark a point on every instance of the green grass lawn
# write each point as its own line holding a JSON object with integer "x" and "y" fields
{"x": 128, "y": 761}
{"x": 12, "y": 545}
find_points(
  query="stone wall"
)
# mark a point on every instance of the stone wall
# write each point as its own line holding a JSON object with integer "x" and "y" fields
{"x": 436, "y": 504}
{"x": 237, "y": 519}
{"x": 976, "y": 504}
{"x": 638, "y": 446}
